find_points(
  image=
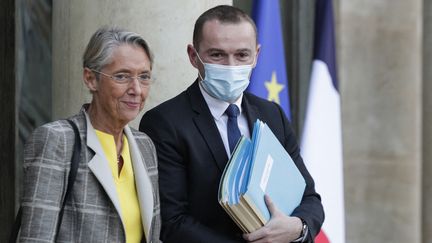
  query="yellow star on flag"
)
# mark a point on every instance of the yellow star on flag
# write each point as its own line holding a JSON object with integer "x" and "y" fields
{"x": 274, "y": 88}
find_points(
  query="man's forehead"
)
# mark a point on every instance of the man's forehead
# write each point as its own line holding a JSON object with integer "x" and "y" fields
{"x": 212, "y": 49}
{"x": 217, "y": 35}
{"x": 215, "y": 23}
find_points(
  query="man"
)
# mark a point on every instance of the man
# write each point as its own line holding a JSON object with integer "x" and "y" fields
{"x": 193, "y": 144}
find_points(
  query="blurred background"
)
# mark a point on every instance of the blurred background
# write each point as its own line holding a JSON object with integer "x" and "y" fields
{"x": 383, "y": 55}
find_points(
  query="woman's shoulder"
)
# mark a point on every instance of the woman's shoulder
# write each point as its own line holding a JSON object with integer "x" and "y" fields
{"x": 138, "y": 135}
{"x": 143, "y": 141}
{"x": 53, "y": 128}
{"x": 61, "y": 126}
{"x": 58, "y": 131}
{"x": 49, "y": 144}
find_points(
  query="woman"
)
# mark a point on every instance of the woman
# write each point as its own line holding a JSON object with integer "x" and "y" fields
{"x": 115, "y": 195}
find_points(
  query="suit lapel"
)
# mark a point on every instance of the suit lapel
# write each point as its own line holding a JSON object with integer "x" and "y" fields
{"x": 143, "y": 184}
{"x": 100, "y": 168}
{"x": 207, "y": 127}
{"x": 252, "y": 113}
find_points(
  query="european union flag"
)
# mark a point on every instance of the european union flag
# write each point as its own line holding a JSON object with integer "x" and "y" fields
{"x": 269, "y": 78}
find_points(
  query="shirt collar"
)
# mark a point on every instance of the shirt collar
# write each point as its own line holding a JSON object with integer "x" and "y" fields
{"x": 217, "y": 107}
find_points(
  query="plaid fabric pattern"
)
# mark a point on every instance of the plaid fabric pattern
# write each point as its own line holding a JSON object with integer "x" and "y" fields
{"x": 89, "y": 214}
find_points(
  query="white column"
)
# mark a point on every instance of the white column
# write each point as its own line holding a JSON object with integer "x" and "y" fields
{"x": 380, "y": 66}
{"x": 427, "y": 122}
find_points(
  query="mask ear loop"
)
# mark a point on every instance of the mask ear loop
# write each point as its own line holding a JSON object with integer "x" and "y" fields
{"x": 253, "y": 65}
{"x": 254, "y": 62}
{"x": 199, "y": 73}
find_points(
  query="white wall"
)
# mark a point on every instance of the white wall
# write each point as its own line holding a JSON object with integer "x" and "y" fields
{"x": 166, "y": 25}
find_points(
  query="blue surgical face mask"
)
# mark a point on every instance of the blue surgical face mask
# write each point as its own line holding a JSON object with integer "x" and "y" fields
{"x": 225, "y": 82}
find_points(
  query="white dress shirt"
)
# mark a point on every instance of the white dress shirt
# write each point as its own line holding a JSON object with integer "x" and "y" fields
{"x": 217, "y": 109}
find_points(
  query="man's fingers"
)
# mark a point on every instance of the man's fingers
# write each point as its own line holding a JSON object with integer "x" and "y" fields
{"x": 270, "y": 205}
{"x": 256, "y": 235}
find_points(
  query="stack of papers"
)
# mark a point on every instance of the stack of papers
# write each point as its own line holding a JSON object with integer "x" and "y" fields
{"x": 259, "y": 166}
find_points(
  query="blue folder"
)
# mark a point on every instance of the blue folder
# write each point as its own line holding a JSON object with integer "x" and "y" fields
{"x": 257, "y": 167}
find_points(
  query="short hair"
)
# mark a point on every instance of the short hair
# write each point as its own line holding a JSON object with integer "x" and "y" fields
{"x": 105, "y": 40}
{"x": 222, "y": 13}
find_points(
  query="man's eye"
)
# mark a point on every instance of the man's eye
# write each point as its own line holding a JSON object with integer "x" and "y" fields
{"x": 216, "y": 55}
{"x": 243, "y": 55}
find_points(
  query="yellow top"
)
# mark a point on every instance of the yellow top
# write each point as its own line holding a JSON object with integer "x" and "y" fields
{"x": 125, "y": 185}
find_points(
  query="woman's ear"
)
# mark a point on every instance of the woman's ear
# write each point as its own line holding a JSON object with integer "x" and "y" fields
{"x": 90, "y": 79}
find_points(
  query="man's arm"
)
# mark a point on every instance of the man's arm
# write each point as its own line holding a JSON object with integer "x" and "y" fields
{"x": 280, "y": 228}
{"x": 283, "y": 227}
{"x": 310, "y": 209}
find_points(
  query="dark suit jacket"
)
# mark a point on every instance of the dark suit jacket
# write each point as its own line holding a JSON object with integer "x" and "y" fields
{"x": 192, "y": 158}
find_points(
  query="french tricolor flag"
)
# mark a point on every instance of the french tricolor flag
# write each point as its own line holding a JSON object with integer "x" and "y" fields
{"x": 322, "y": 135}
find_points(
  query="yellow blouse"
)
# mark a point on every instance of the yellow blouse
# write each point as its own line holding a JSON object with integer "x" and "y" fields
{"x": 125, "y": 186}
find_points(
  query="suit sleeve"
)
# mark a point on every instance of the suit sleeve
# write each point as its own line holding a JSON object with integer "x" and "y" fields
{"x": 177, "y": 223}
{"x": 310, "y": 208}
{"x": 45, "y": 161}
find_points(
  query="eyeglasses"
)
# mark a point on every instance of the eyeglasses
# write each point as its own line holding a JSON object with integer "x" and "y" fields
{"x": 144, "y": 79}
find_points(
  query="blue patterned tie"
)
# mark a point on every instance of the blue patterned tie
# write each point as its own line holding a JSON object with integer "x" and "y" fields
{"x": 232, "y": 128}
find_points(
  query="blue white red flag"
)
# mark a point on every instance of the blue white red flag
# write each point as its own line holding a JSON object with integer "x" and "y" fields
{"x": 321, "y": 144}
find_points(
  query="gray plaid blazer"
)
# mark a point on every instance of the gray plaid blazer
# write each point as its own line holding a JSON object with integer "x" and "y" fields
{"x": 92, "y": 213}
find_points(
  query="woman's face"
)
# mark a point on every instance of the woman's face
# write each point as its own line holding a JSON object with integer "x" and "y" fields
{"x": 117, "y": 102}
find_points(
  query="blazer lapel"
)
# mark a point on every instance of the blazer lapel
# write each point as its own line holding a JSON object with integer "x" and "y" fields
{"x": 100, "y": 168}
{"x": 143, "y": 184}
{"x": 207, "y": 127}
{"x": 252, "y": 113}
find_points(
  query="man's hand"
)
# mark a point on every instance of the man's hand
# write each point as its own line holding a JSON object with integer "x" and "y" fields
{"x": 280, "y": 227}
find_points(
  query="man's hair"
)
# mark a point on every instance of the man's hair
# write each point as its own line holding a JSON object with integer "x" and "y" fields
{"x": 105, "y": 40}
{"x": 222, "y": 13}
